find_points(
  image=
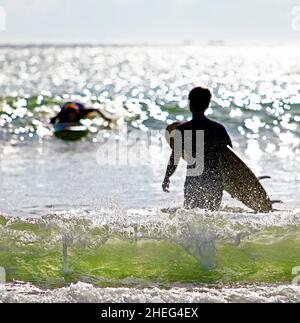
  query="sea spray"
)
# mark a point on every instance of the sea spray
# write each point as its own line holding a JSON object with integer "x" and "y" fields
{"x": 150, "y": 246}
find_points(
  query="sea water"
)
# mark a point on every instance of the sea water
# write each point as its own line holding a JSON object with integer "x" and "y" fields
{"x": 87, "y": 221}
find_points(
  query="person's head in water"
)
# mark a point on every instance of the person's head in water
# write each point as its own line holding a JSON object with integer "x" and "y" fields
{"x": 72, "y": 111}
{"x": 199, "y": 100}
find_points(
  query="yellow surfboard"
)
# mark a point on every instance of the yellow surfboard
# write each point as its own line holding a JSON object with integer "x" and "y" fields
{"x": 239, "y": 180}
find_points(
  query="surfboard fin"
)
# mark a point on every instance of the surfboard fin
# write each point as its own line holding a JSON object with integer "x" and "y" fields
{"x": 277, "y": 202}
{"x": 264, "y": 177}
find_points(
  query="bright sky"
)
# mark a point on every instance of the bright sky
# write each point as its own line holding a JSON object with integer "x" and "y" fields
{"x": 147, "y": 20}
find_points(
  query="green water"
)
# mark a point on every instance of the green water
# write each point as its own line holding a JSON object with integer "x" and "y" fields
{"x": 33, "y": 252}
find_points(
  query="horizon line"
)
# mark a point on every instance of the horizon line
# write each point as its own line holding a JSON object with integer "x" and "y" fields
{"x": 138, "y": 43}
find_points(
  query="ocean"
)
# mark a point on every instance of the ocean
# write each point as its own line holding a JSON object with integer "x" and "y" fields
{"x": 87, "y": 221}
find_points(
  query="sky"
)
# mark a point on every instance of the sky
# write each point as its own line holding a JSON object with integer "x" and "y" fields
{"x": 77, "y": 21}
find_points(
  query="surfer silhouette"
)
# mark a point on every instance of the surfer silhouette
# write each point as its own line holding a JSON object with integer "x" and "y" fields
{"x": 205, "y": 189}
{"x": 73, "y": 112}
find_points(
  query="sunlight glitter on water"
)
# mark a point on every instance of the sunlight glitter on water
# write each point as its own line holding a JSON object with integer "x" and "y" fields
{"x": 254, "y": 86}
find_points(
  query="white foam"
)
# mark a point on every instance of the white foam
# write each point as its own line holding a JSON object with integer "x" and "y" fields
{"x": 86, "y": 293}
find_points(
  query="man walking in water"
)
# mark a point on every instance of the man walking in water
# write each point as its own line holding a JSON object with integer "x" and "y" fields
{"x": 205, "y": 189}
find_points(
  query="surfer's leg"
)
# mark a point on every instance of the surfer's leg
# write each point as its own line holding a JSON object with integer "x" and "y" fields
{"x": 214, "y": 200}
{"x": 213, "y": 192}
{"x": 195, "y": 196}
{"x": 189, "y": 196}
{"x": 198, "y": 195}
{"x": 207, "y": 200}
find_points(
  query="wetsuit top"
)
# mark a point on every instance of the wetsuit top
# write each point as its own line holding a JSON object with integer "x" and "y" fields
{"x": 216, "y": 139}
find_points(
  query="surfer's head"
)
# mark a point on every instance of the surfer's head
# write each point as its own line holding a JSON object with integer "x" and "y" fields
{"x": 199, "y": 100}
{"x": 72, "y": 111}
{"x": 72, "y": 106}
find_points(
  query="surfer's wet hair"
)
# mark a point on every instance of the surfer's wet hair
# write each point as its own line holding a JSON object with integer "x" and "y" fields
{"x": 199, "y": 99}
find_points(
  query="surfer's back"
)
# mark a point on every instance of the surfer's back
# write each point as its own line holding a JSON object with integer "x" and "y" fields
{"x": 216, "y": 139}
{"x": 215, "y": 130}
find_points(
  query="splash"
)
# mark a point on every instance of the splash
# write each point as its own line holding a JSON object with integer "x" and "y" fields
{"x": 142, "y": 247}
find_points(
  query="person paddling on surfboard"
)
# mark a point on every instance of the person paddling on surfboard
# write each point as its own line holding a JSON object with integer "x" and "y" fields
{"x": 73, "y": 112}
{"x": 202, "y": 189}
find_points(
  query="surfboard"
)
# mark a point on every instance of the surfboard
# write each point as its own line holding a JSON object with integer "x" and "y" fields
{"x": 241, "y": 183}
{"x": 70, "y": 132}
{"x": 239, "y": 180}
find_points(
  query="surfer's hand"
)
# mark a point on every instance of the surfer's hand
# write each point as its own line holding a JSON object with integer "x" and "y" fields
{"x": 166, "y": 185}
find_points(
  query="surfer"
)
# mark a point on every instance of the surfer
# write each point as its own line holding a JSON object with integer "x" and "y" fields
{"x": 203, "y": 190}
{"x": 73, "y": 112}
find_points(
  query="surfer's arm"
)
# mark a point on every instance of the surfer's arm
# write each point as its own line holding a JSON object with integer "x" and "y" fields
{"x": 171, "y": 168}
{"x": 54, "y": 119}
{"x": 91, "y": 110}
